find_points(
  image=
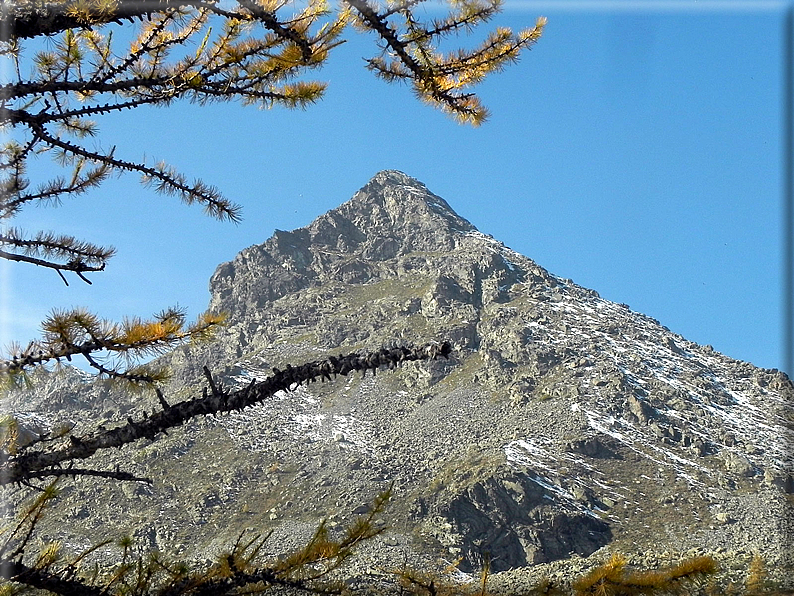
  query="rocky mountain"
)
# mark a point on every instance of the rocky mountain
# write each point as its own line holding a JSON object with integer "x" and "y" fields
{"x": 563, "y": 427}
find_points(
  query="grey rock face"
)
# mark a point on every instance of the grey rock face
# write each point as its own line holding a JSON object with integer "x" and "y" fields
{"x": 515, "y": 521}
{"x": 563, "y": 425}
{"x": 392, "y": 216}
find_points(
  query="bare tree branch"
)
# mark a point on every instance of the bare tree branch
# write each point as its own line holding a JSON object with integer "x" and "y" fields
{"x": 18, "y": 468}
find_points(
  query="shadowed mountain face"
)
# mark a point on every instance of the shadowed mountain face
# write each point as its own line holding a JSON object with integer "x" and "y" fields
{"x": 563, "y": 423}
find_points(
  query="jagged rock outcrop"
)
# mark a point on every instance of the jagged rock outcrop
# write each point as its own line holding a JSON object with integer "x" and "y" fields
{"x": 562, "y": 424}
{"x": 391, "y": 217}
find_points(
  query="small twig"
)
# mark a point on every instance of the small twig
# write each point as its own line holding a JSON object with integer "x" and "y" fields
{"x": 161, "y": 399}
{"x": 62, "y": 277}
{"x": 83, "y": 277}
{"x": 215, "y": 391}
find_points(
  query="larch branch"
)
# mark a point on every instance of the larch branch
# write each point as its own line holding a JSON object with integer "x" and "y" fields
{"x": 19, "y": 468}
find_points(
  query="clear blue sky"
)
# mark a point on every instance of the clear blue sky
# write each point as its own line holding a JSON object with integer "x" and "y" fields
{"x": 636, "y": 150}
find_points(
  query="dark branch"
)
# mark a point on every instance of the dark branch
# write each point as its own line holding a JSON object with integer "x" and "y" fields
{"x": 423, "y": 76}
{"x": 270, "y": 21}
{"x": 239, "y": 579}
{"x": 13, "y": 90}
{"x": 379, "y": 24}
{"x": 21, "y": 467}
{"x": 76, "y": 266}
{"x": 113, "y": 374}
{"x": 218, "y": 206}
{"x": 25, "y": 19}
{"x": 74, "y": 472}
{"x": 17, "y": 571}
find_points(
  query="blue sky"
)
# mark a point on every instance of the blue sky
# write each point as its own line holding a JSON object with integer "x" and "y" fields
{"x": 637, "y": 149}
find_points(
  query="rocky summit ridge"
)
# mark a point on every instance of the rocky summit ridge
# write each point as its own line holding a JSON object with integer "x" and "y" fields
{"x": 564, "y": 426}
{"x": 392, "y": 215}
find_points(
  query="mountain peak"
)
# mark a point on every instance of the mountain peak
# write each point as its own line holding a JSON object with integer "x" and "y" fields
{"x": 391, "y": 216}
{"x": 392, "y": 202}
{"x": 395, "y": 176}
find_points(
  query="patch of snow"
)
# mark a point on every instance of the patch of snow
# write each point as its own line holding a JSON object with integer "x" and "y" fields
{"x": 542, "y": 468}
